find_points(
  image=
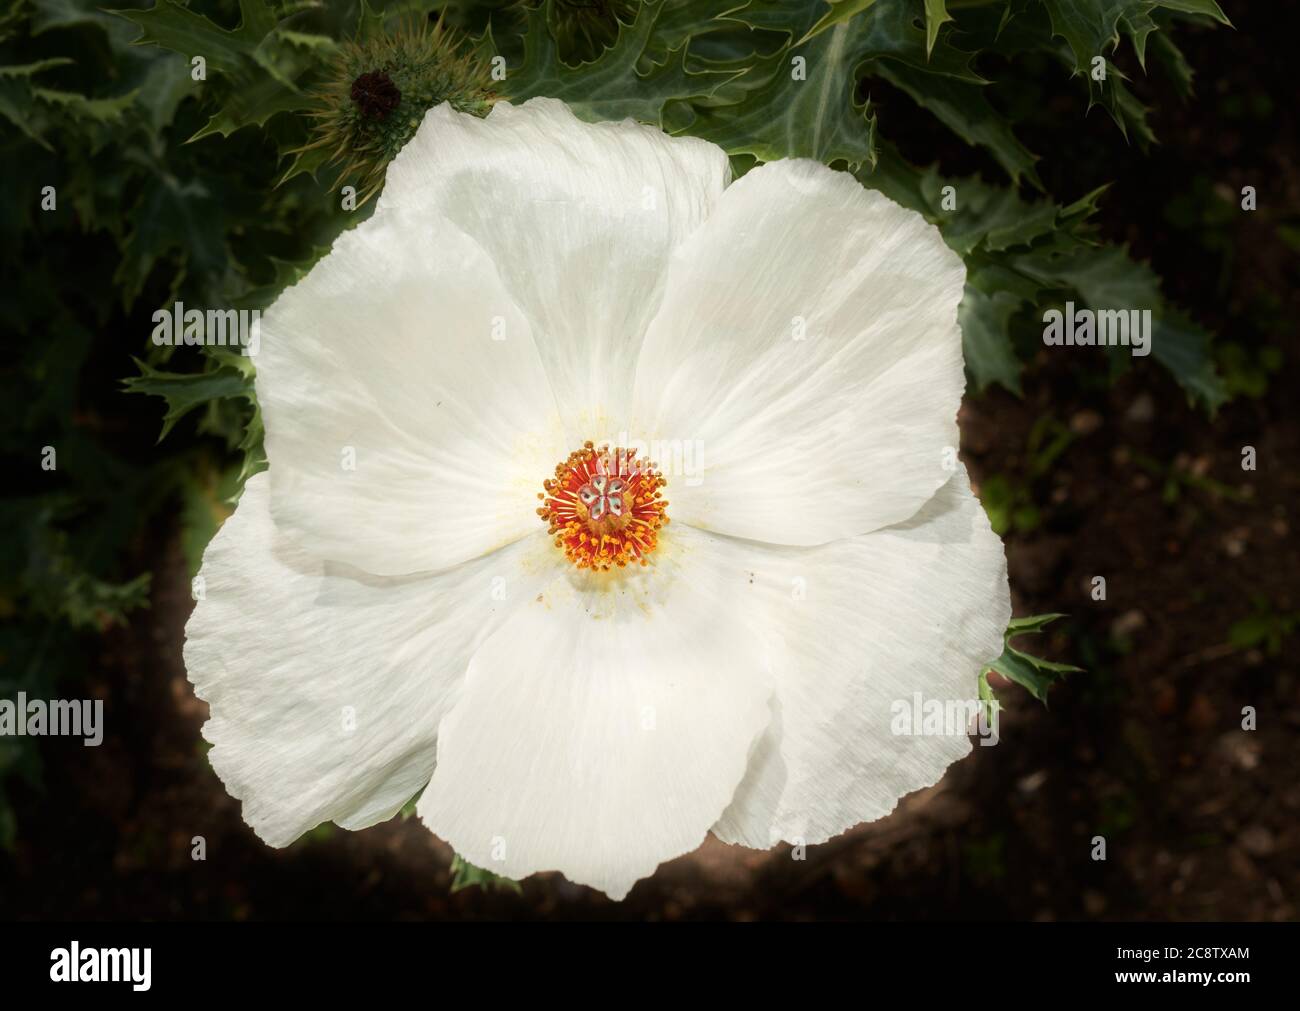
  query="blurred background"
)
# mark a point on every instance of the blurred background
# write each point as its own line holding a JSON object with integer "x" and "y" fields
{"x": 1089, "y": 468}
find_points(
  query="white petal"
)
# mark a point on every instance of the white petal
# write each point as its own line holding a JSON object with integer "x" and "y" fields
{"x": 290, "y": 653}
{"x": 808, "y": 341}
{"x": 580, "y": 220}
{"x": 601, "y": 732}
{"x": 917, "y": 607}
{"x": 403, "y": 436}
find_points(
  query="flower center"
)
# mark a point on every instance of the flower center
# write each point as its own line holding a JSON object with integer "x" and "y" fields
{"x": 604, "y": 508}
{"x": 375, "y": 94}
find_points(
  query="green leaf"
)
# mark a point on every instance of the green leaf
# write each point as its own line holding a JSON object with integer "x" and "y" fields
{"x": 1184, "y": 349}
{"x": 1137, "y": 25}
{"x": 1020, "y": 249}
{"x": 1206, "y": 7}
{"x": 886, "y": 30}
{"x": 994, "y": 218}
{"x": 173, "y": 216}
{"x": 262, "y": 58}
{"x": 985, "y": 338}
{"x": 254, "y": 102}
{"x": 18, "y": 97}
{"x": 465, "y": 875}
{"x": 796, "y": 18}
{"x": 174, "y": 26}
{"x": 1090, "y": 27}
{"x": 100, "y": 110}
{"x": 963, "y": 108}
{"x": 1106, "y": 277}
{"x": 1032, "y": 673}
{"x": 206, "y": 498}
{"x": 30, "y": 69}
{"x": 611, "y": 86}
{"x": 1130, "y": 115}
{"x": 936, "y": 13}
{"x": 185, "y": 391}
{"x": 840, "y": 12}
{"x": 52, "y": 14}
{"x": 409, "y": 808}
{"x": 799, "y": 109}
{"x": 699, "y": 23}
{"x": 1174, "y": 64}
{"x": 800, "y": 101}
{"x": 1031, "y": 623}
{"x": 58, "y": 583}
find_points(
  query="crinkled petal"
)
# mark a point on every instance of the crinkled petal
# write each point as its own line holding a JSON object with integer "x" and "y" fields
{"x": 878, "y": 630}
{"x": 604, "y": 728}
{"x": 326, "y": 685}
{"x": 408, "y": 416}
{"x": 580, "y": 220}
{"x": 808, "y": 345}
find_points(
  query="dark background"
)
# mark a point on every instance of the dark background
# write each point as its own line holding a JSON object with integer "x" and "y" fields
{"x": 1145, "y": 747}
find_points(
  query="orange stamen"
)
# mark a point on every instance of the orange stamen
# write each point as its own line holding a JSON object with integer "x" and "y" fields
{"x": 604, "y": 507}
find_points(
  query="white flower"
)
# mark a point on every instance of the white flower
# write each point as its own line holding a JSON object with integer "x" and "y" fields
{"x": 385, "y": 609}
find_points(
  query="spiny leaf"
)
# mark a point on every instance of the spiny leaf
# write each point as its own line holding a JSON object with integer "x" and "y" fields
{"x": 100, "y": 110}
{"x": 880, "y": 31}
{"x": 174, "y": 26}
{"x": 186, "y": 391}
{"x": 611, "y": 86}
{"x": 1031, "y": 623}
{"x": 1207, "y": 7}
{"x": 936, "y": 13}
{"x": 841, "y": 11}
{"x": 1093, "y": 28}
{"x": 1032, "y": 673}
{"x": 29, "y": 69}
{"x": 174, "y": 216}
{"x": 252, "y": 103}
{"x": 60, "y": 585}
{"x": 1184, "y": 349}
{"x": 1107, "y": 277}
{"x": 995, "y": 218}
{"x": 1137, "y": 25}
{"x": 1019, "y": 250}
{"x": 262, "y": 58}
{"x": 694, "y": 21}
{"x": 1130, "y": 115}
{"x": 803, "y": 107}
{"x": 985, "y": 338}
{"x": 800, "y": 101}
{"x": 1174, "y": 64}
{"x": 964, "y": 109}
{"x": 18, "y": 97}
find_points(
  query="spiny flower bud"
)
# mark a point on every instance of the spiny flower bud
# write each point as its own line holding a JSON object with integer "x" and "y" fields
{"x": 377, "y": 92}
